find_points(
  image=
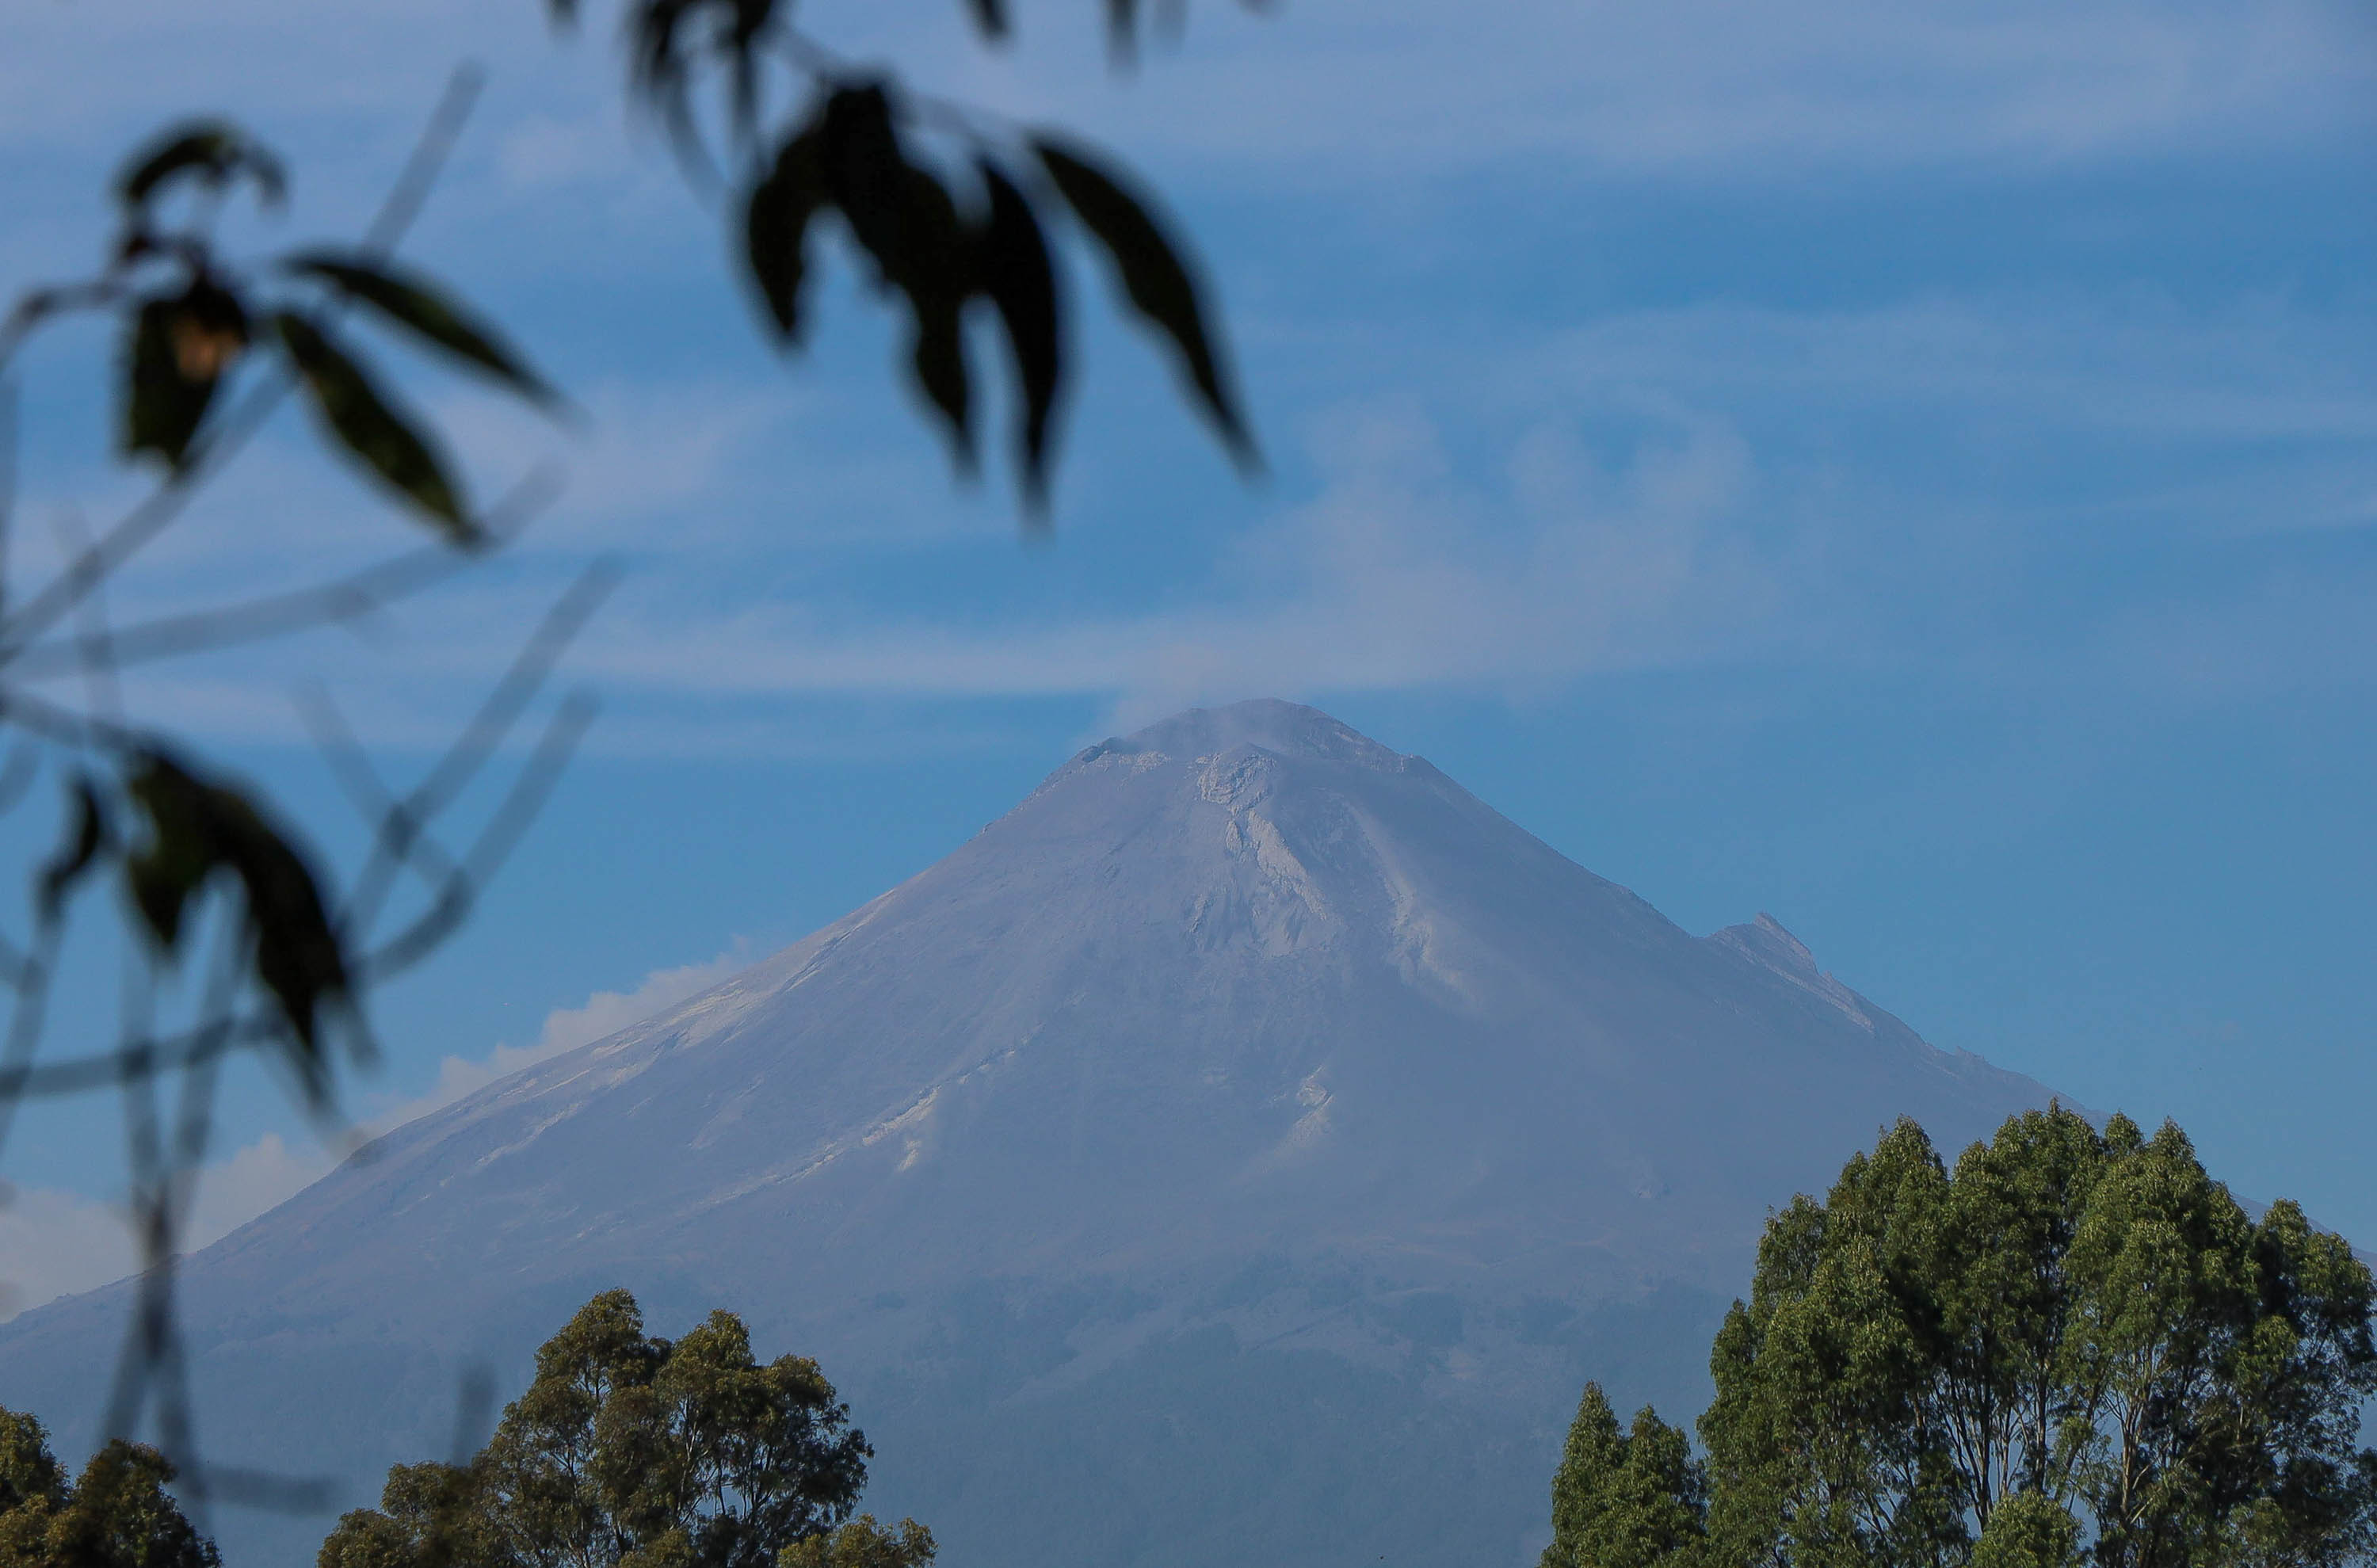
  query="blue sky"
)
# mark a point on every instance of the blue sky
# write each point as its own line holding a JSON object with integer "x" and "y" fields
{"x": 1907, "y": 468}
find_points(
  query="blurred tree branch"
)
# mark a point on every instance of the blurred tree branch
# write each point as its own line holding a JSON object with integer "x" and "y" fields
{"x": 953, "y": 211}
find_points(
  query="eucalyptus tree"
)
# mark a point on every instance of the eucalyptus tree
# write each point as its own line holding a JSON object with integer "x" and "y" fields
{"x": 628, "y": 1451}
{"x": 1626, "y": 1498}
{"x": 117, "y": 1514}
{"x": 863, "y": 1543}
{"x": 2073, "y": 1347}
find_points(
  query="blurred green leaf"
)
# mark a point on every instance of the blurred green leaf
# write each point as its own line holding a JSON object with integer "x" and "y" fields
{"x": 1021, "y": 282}
{"x": 180, "y": 348}
{"x": 161, "y": 409}
{"x": 775, "y": 228}
{"x": 936, "y": 273}
{"x": 211, "y": 151}
{"x": 415, "y": 303}
{"x": 366, "y": 425}
{"x": 1157, "y": 281}
{"x": 1122, "y": 28}
{"x": 196, "y": 829}
{"x": 87, "y": 833}
{"x": 905, "y": 219}
{"x": 656, "y": 63}
{"x": 990, "y": 15}
{"x": 180, "y": 854}
{"x": 661, "y": 63}
{"x": 865, "y": 175}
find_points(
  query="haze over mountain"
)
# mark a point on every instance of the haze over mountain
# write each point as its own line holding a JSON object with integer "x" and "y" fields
{"x": 1250, "y": 1142}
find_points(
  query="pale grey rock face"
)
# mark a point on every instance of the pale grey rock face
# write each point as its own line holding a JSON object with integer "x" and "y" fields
{"x": 1251, "y": 1141}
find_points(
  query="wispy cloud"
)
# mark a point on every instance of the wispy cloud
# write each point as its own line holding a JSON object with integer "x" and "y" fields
{"x": 1387, "y": 86}
{"x": 1659, "y": 488}
{"x": 1400, "y": 572}
{"x": 1708, "y": 86}
{"x": 1656, "y": 489}
{"x": 1676, "y": 494}
{"x": 566, "y": 1029}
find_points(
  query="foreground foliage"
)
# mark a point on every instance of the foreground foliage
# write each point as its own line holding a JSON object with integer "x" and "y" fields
{"x": 954, "y": 212}
{"x": 2076, "y": 1349}
{"x": 633, "y": 1451}
{"x": 117, "y": 1514}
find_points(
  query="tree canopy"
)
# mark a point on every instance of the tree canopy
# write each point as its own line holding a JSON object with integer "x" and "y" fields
{"x": 863, "y": 1543}
{"x": 2076, "y": 1347}
{"x": 1624, "y": 1499}
{"x": 633, "y": 1451}
{"x": 117, "y": 1514}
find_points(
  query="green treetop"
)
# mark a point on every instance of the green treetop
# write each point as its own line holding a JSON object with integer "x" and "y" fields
{"x": 2075, "y": 1348}
{"x": 1624, "y": 1500}
{"x": 632, "y": 1452}
{"x": 117, "y": 1514}
{"x": 863, "y": 1543}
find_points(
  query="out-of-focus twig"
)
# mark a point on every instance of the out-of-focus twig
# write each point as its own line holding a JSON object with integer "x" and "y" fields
{"x": 345, "y": 598}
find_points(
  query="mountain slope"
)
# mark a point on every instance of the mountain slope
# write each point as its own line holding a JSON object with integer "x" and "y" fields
{"x": 1247, "y": 1067}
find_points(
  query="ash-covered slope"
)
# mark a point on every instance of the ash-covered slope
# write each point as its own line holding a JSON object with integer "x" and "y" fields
{"x": 1248, "y": 1087}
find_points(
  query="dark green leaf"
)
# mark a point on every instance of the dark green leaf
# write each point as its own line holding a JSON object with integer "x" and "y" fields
{"x": 1122, "y": 29}
{"x": 904, "y": 218}
{"x": 656, "y": 58}
{"x": 197, "y": 830}
{"x": 415, "y": 304}
{"x": 668, "y": 37}
{"x": 775, "y": 228}
{"x": 210, "y": 330}
{"x": 937, "y": 357}
{"x": 747, "y": 23}
{"x": 179, "y": 350}
{"x": 865, "y": 175}
{"x": 366, "y": 425}
{"x": 298, "y": 957}
{"x": 88, "y": 836}
{"x": 1020, "y": 281}
{"x": 936, "y": 273}
{"x": 208, "y": 151}
{"x": 990, "y": 15}
{"x": 1153, "y": 274}
{"x": 161, "y": 410}
{"x": 181, "y": 850}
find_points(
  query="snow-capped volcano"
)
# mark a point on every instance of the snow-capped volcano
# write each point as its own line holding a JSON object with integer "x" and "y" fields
{"x": 1249, "y": 1131}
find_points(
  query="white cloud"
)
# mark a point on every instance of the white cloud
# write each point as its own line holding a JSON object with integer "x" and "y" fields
{"x": 1657, "y": 489}
{"x": 1384, "y": 575}
{"x": 1387, "y": 87}
{"x": 1403, "y": 86}
{"x": 566, "y": 1029}
{"x": 1398, "y": 573}
{"x": 54, "y": 1243}
{"x": 1685, "y": 486}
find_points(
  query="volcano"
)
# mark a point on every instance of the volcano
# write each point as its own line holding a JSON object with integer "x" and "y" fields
{"x": 1243, "y": 1147}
